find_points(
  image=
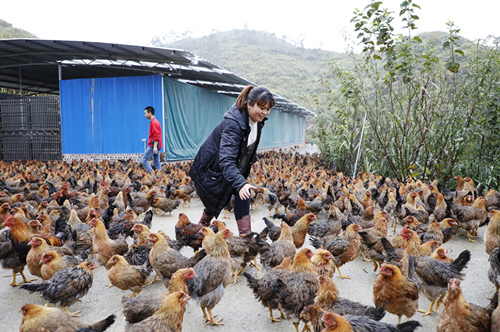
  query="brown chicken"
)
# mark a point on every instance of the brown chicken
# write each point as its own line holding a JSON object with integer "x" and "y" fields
{"x": 243, "y": 249}
{"x": 329, "y": 300}
{"x": 274, "y": 253}
{"x": 441, "y": 254}
{"x": 9, "y": 259}
{"x": 344, "y": 249}
{"x": 164, "y": 204}
{"x": 141, "y": 307}
{"x": 470, "y": 218}
{"x": 396, "y": 293}
{"x": 127, "y": 277}
{"x": 66, "y": 286}
{"x": 184, "y": 195}
{"x": 263, "y": 287}
{"x": 187, "y": 233}
{"x": 291, "y": 217}
{"x": 38, "y": 318}
{"x": 104, "y": 247}
{"x": 492, "y": 234}
{"x": 492, "y": 200}
{"x": 38, "y": 247}
{"x": 336, "y": 323}
{"x": 53, "y": 262}
{"x": 166, "y": 261}
{"x": 141, "y": 205}
{"x": 458, "y": 315}
{"x": 323, "y": 262}
{"x": 168, "y": 318}
{"x": 297, "y": 288}
{"x": 213, "y": 274}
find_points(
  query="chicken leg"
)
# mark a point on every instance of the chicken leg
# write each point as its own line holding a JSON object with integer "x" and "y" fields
{"x": 212, "y": 320}
{"x": 72, "y": 314}
{"x": 341, "y": 275}
{"x": 429, "y": 311}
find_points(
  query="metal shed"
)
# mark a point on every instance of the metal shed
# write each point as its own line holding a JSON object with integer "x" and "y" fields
{"x": 104, "y": 88}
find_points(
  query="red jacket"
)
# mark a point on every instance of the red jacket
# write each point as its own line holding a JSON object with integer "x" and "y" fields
{"x": 155, "y": 133}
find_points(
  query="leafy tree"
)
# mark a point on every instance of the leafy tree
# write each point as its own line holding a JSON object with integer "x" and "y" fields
{"x": 429, "y": 114}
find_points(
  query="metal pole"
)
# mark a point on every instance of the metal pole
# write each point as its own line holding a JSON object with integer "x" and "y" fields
{"x": 359, "y": 146}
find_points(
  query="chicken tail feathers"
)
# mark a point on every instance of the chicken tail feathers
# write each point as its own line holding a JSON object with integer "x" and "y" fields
{"x": 315, "y": 242}
{"x": 253, "y": 283}
{"x": 262, "y": 244}
{"x": 409, "y": 326}
{"x": 412, "y": 268}
{"x": 375, "y": 313}
{"x": 279, "y": 216}
{"x": 461, "y": 261}
{"x": 198, "y": 257}
{"x": 35, "y": 287}
{"x": 103, "y": 324}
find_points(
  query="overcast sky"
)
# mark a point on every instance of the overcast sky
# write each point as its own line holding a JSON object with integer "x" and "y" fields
{"x": 320, "y": 24}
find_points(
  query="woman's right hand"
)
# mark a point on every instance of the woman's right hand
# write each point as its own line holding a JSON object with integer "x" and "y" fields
{"x": 245, "y": 191}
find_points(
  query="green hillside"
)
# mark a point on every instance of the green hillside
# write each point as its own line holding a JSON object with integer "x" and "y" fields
{"x": 263, "y": 59}
{"x": 7, "y": 31}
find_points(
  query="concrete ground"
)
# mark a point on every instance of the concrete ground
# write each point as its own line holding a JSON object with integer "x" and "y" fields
{"x": 239, "y": 308}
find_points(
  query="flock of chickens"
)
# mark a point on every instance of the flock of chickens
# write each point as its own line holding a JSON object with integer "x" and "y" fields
{"x": 63, "y": 220}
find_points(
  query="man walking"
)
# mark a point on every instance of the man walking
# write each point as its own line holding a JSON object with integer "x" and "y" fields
{"x": 154, "y": 141}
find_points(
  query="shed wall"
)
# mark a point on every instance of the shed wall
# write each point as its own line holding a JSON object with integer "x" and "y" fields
{"x": 106, "y": 115}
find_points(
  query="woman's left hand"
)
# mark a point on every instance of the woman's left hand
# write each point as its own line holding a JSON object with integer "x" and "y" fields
{"x": 245, "y": 191}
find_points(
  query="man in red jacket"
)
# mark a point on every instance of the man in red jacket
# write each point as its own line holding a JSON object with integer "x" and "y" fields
{"x": 154, "y": 141}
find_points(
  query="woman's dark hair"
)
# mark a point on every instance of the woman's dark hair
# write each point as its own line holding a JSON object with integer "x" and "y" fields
{"x": 150, "y": 109}
{"x": 262, "y": 96}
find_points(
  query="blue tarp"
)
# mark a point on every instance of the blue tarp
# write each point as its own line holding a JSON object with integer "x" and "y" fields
{"x": 106, "y": 115}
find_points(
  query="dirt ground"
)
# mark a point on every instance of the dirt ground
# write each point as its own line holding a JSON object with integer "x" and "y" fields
{"x": 239, "y": 308}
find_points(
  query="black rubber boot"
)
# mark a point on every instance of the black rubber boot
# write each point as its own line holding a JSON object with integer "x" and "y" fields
{"x": 205, "y": 219}
{"x": 244, "y": 225}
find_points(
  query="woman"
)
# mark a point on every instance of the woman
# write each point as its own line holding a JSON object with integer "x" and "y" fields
{"x": 224, "y": 160}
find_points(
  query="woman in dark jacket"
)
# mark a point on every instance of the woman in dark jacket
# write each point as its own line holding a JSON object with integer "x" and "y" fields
{"x": 223, "y": 163}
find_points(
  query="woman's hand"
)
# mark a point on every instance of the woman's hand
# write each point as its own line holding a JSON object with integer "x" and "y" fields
{"x": 245, "y": 191}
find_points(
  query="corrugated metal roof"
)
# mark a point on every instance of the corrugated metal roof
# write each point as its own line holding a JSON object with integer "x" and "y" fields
{"x": 35, "y": 65}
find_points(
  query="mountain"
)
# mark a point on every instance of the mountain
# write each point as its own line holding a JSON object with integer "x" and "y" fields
{"x": 7, "y": 31}
{"x": 264, "y": 59}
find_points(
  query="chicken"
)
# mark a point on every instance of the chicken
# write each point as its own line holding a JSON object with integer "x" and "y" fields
{"x": 492, "y": 200}
{"x": 492, "y": 234}
{"x": 458, "y": 315}
{"x": 274, "y": 253}
{"x": 242, "y": 249}
{"x": 213, "y": 275}
{"x": 187, "y": 233}
{"x": 38, "y": 247}
{"x": 9, "y": 259}
{"x": 271, "y": 200}
{"x": 168, "y": 318}
{"x": 470, "y": 218}
{"x": 263, "y": 287}
{"x": 344, "y": 249}
{"x": 314, "y": 313}
{"x": 327, "y": 227}
{"x": 166, "y": 205}
{"x": 66, "y": 286}
{"x": 81, "y": 233}
{"x": 433, "y": 276}
{"x": 494, "y": 269}
{"x": 184, "y": 195}
{"x": 21, "y": 237}
{"x": 127, "y": 277}
{"x": 103, "y": 246}
{"x": 166, "y": 261}
{"x": 291, "y": 217}
{"x": 336, "y": 323}
{"x": 141, "y": 205}
{"x": 395, "y": 292}
{"x": 299, "y": 230}
{"x": 136, "y": 309}
{"x": 323, "y": 262}
{"x": 297, "y": 289}
{"x": 38, "y": 318}
{"x": 441, "y": 254}
{"x": 329, "y": 300}
{"x": 52, "y": 262}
